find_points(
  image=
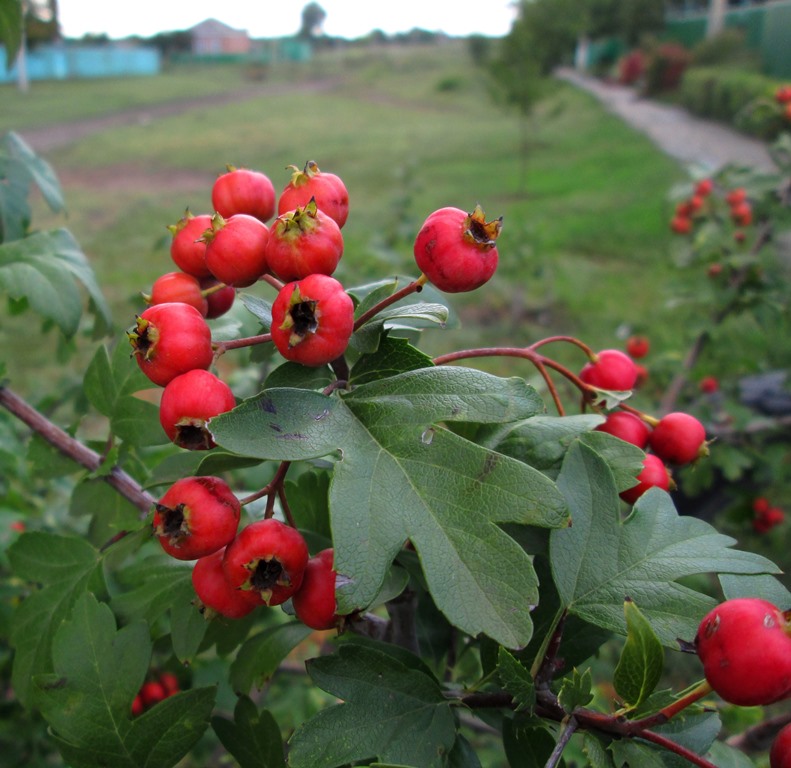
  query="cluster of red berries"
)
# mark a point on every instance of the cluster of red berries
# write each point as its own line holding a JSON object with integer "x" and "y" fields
{"x": 638, "y": 347}
{"x": 701, "y": 204}
{"x": 267, "y": 561}
{"x": 153, "y": 691}
{"x": 677, "y": 439}
{"x": 766, "y": 515}
{"x": 745, "y": 647}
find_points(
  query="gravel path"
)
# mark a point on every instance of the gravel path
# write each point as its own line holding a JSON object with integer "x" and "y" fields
{"x": 689, "y": 139}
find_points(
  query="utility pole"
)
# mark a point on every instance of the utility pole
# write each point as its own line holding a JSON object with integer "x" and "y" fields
{"x": 716, "y": 19}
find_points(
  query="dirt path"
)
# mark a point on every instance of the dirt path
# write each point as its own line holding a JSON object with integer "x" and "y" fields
{"x": 689, "y": 139}
{"x": 51, "y": 137}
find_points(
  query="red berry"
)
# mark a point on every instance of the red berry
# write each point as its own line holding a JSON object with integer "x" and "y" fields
{"x": 267, "y": 558}
{"x": 642, "y": 376}
{"x": 219, "y": 297}
{"x": 327, "y": 189}
{"x": 195, "y": 517}
{"x": 681, "y": 225}
{"x": 626, "y": 426}
{"x": 188, "y": 402}
{"x": 742, "y": 214}
{"x": 303, "y": 242}
{"x": 709, "y": 384}
{"x": 170, "y": 339}
{"x": 170, "y": 683}
{"x": 653, "y": 475}
{"x": 236, "y": 249}
{"x": 187, "y": 249}
{"x": 457, "y": 251}
{"x": 18, "y": 526}
{"x": 637, "y": 346}
{"x": 215, "y": 593}
{"x": 152, "y": 693}
{"x": 678, "y": 438}
{"x": 612, "y": 370}
{"x": 783, "y": 94}
{"x": 704, "y": 187}
{"x": 242, "y": 190}
{"x": 714, "y": 270}
{"x": 178, "y": 286}
{"x": 138, "y": 707}
{"x": 736, "y": 196}
{"x": 780, "y": 753}
{"x": 314, "y": 602}
{"x": 312, "y": 320}
{"x": 761, "y": 505}
{"x": 746, "y": 652}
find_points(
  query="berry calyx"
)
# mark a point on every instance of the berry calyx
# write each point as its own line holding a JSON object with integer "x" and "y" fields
{"x": 746, "y": 652}
{"x": 314, "y": 602}
{"x": 267, "y": 558}
{"x": 312, "y": 320}
{"x": 195, "y": 517}
{"x": 169, "y": 340}
{"x": 611, "y": 370}
{"x": 188, "y": 403}
{"x": 457, "y": 251}
{"x": 679, "y": 438}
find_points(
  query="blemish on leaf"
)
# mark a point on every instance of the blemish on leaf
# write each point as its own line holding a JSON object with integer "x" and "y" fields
{"x": 266, "y": 405}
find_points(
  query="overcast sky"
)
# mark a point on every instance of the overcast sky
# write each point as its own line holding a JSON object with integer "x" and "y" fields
{"x": 270, "y": 18}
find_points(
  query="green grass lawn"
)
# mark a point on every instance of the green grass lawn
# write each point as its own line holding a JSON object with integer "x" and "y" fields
{"x": 585, "y": 242}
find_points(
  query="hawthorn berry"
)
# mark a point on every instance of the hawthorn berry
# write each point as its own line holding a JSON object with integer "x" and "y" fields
{"x": 681, "y": 225}
{"x": 267, "y": 558}
{"x": 152, "y": 692}
{"x": 196, "y": 516}
{"x": 704, "y": 187}
{"x": 170, "y": 683}
{"x": 236, "y": 249}
{"x": 736, "y": 196}
{"x": 653, "y": 475}
{"x": 314, "y": 602}
{"x": 783, "y": 94}
{"x": 311, "y": 183}
{"x": 178, "y": 286}
{"x": 219, "y": 297}
{"x": 457, "y": 251}
{"x": 709, "y": 384}
{"x": 215, "y": 594}
{"x": 138, "y": 707}
{"x": 642, "y": 377}
{"x": 745, "y": 650}
{"x": 768, "y": 519}
{"x": 637, "y": 346}
{"x": 187, "y": 249}
{"x": 679, "y": 438}
{"x": 188, "y": 402}
{"x": 627, "y": 427}
{"x": 303, "y": 242}
{"x": 761, "y": 505}
{"x": 312, "y": 320}
{"x": 742, "y": 214}
{"x": 169, "y": 340}
{"x": 241, "y": 190}
{"x": 611, "y": 369}
{"x": 780, "y": 753}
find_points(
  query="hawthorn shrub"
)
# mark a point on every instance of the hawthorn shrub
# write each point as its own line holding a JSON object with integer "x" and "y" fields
{"x": 427, "y": 558}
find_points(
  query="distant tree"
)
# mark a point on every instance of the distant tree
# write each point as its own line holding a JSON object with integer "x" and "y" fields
{"x": 41, "y": 21}
{"x": 313, "y": 17}
{"x": 169, "y": 43}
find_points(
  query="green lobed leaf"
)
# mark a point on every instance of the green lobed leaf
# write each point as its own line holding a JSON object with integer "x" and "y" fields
{"x": 65, "y": 566}
{"x": 402, "y": 476}
{"x": 260, "y": 655}
{"x": 87, "y": 700}
{"x": 260, "y": 308}
{"x": 394, "y": 355}
{"x": 597, "y": 754}
{"x": 624, "y": 459}
{"x": 516, "y": 679}
{"x": 600, "y": 560}
{"x": 45, "y": 269}
{"x": 527, "y": 744}
{"x": 253, "y": 737}
{"x": 38, "y": 170}
{"x": 642, "y": 659}
{"x": 763, "y": 586}
{"x": 390, "y": 712}
{"x": 576, "y": 690}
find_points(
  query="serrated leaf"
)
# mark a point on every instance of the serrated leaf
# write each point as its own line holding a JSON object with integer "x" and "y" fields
{"x": 253, "y": 737}
{"x": 390, "y": 712}
{"x": 393, "y": 355}
{"x": 36, "y": 168}
{"x": 402, "y": 476}
{"x": 261, "y": 655}
{"x": 630, "y": 752}
{"x": 527, "y": 745}
{"x": 290, "y": 374}
{"x": 419, "y": 315}
{"x": 65, "y": 566}
{"x": 598, "y": 756}
{"x": 516, "y": 679}
{"x": 45, "y": 270}
{"x": 308, "y": 499}
{"x": 624, "y": 459}
{"x": 600, "y": 560}
{"x": 576, "y": 690}
{"x": 642, "y": 659}
{"x": 260, "y": 308}
{"x": 87, "y": 700}
{"x": 763, "y": 586}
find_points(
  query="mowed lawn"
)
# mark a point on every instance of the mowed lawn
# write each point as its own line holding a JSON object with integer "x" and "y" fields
{"x": 585, "y": 243}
